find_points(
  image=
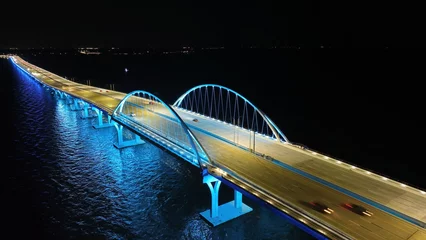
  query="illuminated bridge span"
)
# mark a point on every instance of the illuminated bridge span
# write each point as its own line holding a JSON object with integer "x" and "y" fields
{"x": 232, "y": 141}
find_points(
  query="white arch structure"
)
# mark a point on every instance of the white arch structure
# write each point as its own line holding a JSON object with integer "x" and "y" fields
{"x": 143, "y": 98}
{"x": 224, "y": 104}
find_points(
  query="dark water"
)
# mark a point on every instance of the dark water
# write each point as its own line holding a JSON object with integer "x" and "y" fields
{"x": 64, "y": 179}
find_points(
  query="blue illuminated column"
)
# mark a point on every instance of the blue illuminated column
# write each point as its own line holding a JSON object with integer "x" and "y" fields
{"x": 65, "y": 96}
{"x": 214, "y": 190}
{"x": 225, "y": 212}
{"x": 128, "y": 143}
{"x": 68, "y": 99}
{"x": 101, "y": 123}
{"x": 76, "y": 103}
{"x": 60, "y": 94}
{"x": 85, "y": 110}
{"x": 55, "y": 92}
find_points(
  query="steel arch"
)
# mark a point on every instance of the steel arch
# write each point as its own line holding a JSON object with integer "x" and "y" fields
{"x": 191, "y": 137}
{"x": 276, "y": 131}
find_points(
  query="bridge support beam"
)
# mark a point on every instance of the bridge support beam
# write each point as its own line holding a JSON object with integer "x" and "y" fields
{"x": 86, "y": 111}
{"x": 76, "y": 103}
{"x": 101, "y": 123}
{"x": 59, "y": 94}
{"x": 225, "y": 212}
{"x": 62, "y": 95}
{"x": 128, "y": 143}
{"x": 69, "y": 100}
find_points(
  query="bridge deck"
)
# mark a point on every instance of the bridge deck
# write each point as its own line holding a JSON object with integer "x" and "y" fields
{"x": 297, "y": 189}
{"x": 411, "y": 203}
{"x": 294, "y": 188}
{"x": 280, "y": 181}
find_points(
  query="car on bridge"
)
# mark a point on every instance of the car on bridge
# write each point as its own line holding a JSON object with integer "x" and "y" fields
{"x": 358, "y": 209}
{"x": 195, "y": 120}
{"x": 132, "y": 114}
{"x": 321, "y": 207}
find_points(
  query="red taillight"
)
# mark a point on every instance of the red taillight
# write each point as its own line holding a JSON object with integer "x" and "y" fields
{"x": 348, "y": 205}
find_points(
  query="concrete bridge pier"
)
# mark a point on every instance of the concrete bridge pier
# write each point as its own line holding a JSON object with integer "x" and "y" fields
{"x": 128, "y": 143}
{"x": 68, "y": 99}
{"x": 85, "y": 109}
{"x": 101, "y": 123}
{"x": 75, "y": 105}
{"x": 56, "y": 93}
{"x": 225, "y": 212}
{"x": 63, "y": 95}
{"x": 60, "y": 94}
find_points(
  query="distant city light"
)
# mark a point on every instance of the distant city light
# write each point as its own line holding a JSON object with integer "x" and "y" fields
{"x": 126, "y": 70}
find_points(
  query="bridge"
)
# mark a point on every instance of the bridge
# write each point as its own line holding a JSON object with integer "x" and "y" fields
{"x": 233, "y": 142}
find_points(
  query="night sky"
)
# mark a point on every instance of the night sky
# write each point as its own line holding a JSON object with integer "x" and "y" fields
{"x": 295, "y": 23}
